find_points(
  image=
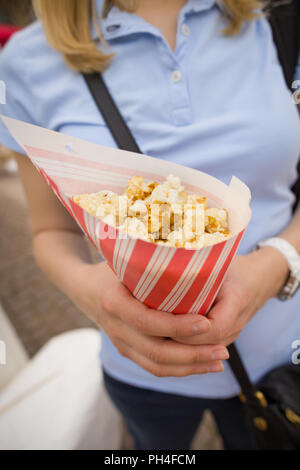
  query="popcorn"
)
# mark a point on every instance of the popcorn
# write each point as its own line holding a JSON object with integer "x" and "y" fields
{"x": 173, "y": 182}
{"x": 170, "y": 191}
{"x": 135, "y": 188}
{"x": 103, "y": 210}
{"x": 138, "y": 209}
{"x": 135, "y": 228}
{"x": 193, "y": 225}
{"x": 110, "y": 220}
{"x": 188, "y": 225}
{"x": 176, "y": 238}
{"x": 216, "y": 220}
{"x": 91, "y": 202}
{"x": 162, "y": 213}
{"x": 208, "y": 239}
{"x": 159, "y": 194}
{"x": 121, "y": 209}
{"x": 138, "y": 189}
{"x": 195, "y": 199}
{"x": 154, "y": 220}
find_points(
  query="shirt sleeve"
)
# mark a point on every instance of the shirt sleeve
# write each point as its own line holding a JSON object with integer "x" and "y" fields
{"x": 14, "y": 90}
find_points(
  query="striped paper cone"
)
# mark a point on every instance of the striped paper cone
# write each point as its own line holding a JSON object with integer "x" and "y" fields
{"x": 176, "y": 280}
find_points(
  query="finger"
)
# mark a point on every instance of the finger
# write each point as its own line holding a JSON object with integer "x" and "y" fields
{"x": 167, "y": 351}
{"x": 168, "y": 370}
{"x": 194, "y": 340}
{"x": 155, "y": 323}
{"x": 231, "y": 339}
{"x": 223, "y": 320}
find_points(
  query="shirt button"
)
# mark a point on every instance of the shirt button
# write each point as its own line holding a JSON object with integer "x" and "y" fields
{"x": 176, "y": 76}
{"x": 112, "y": 28}
{"x": 185, "y": 30}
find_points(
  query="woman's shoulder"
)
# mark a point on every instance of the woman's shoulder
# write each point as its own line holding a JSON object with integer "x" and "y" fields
{"x": 26, "y": 50}
{"x": 27, "y": 37}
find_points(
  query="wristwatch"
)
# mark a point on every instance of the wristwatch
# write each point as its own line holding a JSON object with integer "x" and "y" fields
{"x": 293, "y": 259}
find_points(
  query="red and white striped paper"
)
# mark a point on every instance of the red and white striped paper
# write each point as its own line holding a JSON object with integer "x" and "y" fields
{"x": 171, "y": 279}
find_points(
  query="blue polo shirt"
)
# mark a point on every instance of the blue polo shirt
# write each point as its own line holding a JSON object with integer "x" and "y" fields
{"x": 216, "y": 103}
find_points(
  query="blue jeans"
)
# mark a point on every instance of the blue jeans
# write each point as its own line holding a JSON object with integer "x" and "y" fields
{"x": 164, "y": 421}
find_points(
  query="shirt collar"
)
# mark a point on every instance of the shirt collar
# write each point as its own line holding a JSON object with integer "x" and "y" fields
{"x": 120, "y": 23}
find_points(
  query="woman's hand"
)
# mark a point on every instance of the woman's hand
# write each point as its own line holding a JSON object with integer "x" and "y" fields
{"x": 251, "y": 280}
{"x": 140, "y": 333}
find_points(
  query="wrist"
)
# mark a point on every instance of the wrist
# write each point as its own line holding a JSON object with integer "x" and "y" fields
{"x": 275, "y": 269}
{"x": 78, "y": 281}
{"x": 88, "y": 290}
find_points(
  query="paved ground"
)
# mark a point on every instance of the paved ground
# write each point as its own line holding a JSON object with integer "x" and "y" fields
{"x": 36, "y": 309}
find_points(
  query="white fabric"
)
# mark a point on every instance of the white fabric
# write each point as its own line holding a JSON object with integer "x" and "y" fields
{"x": 13, "y": 356}
{"x": 58, "y": 401}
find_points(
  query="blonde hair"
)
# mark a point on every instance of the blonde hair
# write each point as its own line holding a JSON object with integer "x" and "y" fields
{"x": 67, "y": 27}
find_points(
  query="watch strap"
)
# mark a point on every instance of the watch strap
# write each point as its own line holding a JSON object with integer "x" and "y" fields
{"x": 292, "y": 283}
{"x": 288, "y": 251}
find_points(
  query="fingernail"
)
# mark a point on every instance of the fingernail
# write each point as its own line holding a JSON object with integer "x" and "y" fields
{"x": 219, "y": 355}
{"x": 201, "y": 326}
{"x": 217, "y": 367}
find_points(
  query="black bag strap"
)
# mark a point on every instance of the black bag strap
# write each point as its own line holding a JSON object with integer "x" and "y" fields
{"x": 126, "y": 141}
{"x": 284, "y": 19}
{"x": 111, "y": 113}
{"x": 248, "y": 389}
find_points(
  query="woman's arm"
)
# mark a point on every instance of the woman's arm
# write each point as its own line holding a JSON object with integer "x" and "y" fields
{"x": 139, "y": 333}
{"x": 292, "y": 231}
{"x": 58, "y": 243}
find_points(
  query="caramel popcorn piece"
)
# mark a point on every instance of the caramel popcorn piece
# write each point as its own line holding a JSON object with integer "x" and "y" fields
{"x": 91, "y": 202}
{"x": 135, "y": 188}
{"x": 135, "y": 228}
{"x": 138, "y": 209}
{"x": 195, "y": 200}
{"x": 216, "y": 220}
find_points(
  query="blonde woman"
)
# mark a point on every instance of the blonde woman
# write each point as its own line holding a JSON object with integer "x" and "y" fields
{"x": 199, "y": 83}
